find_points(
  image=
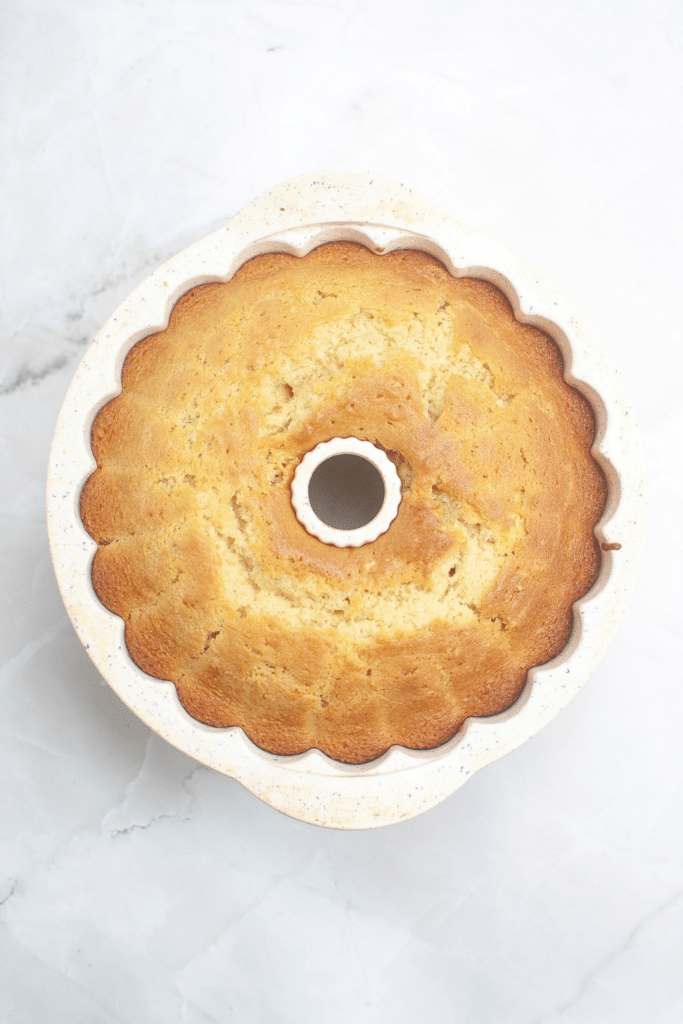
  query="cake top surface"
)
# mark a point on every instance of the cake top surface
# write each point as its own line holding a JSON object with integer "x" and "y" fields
{"x": 260, "y": 624}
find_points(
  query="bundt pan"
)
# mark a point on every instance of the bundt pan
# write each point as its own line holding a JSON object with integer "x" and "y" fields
{"x": 295, "y": 218}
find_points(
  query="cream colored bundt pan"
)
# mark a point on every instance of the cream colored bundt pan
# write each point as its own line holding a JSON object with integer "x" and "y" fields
{"x": 294, "y": 218}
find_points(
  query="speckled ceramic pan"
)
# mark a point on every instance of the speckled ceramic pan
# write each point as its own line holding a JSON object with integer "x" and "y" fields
{"x": 294, "y": 218}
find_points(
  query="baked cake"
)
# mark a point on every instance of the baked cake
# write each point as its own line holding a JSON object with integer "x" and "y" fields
{"x": 261, "y": 625}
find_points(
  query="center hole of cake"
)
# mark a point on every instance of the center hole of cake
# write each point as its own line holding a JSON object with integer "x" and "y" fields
{"x": 346, "y": 491}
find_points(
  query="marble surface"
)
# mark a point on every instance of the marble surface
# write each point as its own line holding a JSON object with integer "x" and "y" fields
{"x": 136, "y": 885}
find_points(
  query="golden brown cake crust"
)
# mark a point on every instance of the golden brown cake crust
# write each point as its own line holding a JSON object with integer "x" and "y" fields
{"x": 305, "y": 645}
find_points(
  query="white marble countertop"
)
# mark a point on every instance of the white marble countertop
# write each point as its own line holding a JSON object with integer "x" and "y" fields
{"x": 138, "y": 886}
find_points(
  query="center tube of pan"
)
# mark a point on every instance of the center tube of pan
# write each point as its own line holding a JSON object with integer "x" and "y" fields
{"x": 346, "y": 492}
